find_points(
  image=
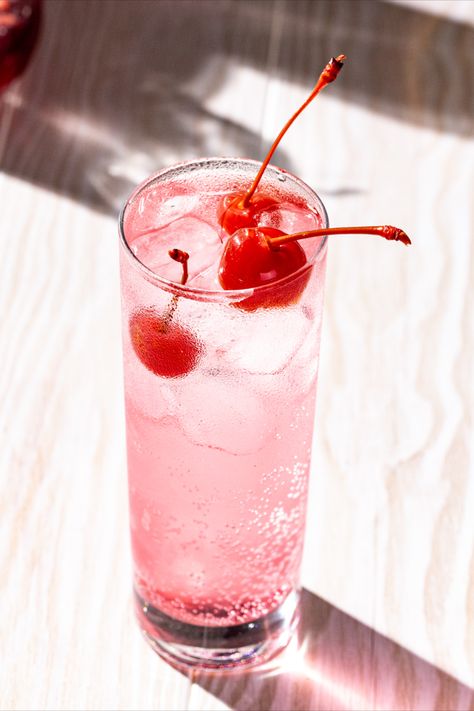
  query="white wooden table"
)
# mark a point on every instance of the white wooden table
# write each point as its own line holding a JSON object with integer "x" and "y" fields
{"x": 116, "y": 90}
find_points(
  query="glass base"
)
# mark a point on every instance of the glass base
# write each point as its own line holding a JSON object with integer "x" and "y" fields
{"x": 190, "y": 646}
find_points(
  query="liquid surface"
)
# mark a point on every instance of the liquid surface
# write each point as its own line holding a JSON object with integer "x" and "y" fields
{"x": 176, "y": 216}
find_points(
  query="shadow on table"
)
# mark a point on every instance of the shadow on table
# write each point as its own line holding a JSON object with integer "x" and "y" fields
{"x": 339, "y": 663}
{"x": 117, "y": 90}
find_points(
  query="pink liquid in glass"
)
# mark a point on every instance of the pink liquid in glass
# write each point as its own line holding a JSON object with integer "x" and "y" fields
{"x": 219, "y": 457}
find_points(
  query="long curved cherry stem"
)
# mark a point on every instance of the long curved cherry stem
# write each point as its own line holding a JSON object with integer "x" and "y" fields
{"x": 329, "y": 73}
{"x": 387, "y": 231}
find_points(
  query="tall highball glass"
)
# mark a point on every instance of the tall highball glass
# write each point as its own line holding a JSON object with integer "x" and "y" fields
{"x": 220, "y": 393}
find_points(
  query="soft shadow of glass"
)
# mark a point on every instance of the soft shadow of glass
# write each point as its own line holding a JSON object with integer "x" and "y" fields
{"x": 181, "y": 129}
{"x": 338, "y": 663}
{"x": 107, "y": 164}
{"x": 114, "y": 106}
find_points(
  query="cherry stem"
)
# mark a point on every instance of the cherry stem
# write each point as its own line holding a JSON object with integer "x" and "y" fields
{"x": 328, "y": 75}
{"x": 182, "y": 257}
{"x": 387, "y": 231}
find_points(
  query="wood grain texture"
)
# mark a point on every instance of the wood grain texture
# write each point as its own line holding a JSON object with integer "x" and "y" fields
{"x": 117, "y": 90}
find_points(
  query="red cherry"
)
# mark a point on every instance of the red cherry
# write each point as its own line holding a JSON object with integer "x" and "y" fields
{"x": 162, "y": 345}
{"x": 234, "y": 213}
{"x": 249, "y": 260}
{"x": 260, "y": 256}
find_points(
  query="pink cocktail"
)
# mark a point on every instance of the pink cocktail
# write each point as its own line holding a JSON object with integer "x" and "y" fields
{"x": 220, "y": 392}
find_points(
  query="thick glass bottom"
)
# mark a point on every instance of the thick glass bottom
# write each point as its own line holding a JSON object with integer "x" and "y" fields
{"x": 224, "y": 648}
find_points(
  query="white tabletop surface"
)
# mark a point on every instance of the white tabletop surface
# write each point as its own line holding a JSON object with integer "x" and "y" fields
{"x": 117, "y": 90}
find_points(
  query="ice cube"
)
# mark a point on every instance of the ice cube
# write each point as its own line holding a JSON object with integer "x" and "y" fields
{"x": 190, "y": 234}
{"x": 152, "y": 212}
{"x": 207, "y": 279}
{"x": 289, "y": 218}
{"x": 224, "y": 415}
{"x": 265, "y": 341}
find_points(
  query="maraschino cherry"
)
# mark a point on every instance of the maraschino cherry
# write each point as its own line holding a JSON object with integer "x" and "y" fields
{"x": 242, "y": 209}
{"x": 249, "y": 258}
{"x": 255, "y": 257}
{"x": 164, "y": 346}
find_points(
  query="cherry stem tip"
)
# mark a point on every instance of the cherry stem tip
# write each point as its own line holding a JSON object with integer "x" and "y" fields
{"x": 328, "y": 75}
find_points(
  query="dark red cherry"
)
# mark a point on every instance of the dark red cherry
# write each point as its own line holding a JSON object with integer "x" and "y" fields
{"x": 19, "y": 27}
{"x": 163, "y": 345}
{"x": 257, "y": 256}
{"x": 249, "y": 260}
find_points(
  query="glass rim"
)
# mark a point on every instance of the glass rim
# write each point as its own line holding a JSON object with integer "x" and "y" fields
{"x": 195, "y": 293}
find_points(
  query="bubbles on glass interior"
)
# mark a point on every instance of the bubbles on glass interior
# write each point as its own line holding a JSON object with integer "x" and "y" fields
{"x": 235, "y": 408}
{"x": 267, "y": 342}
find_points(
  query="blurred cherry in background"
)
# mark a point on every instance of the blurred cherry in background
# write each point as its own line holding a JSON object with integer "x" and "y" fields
{"x": 19, "y": 26}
